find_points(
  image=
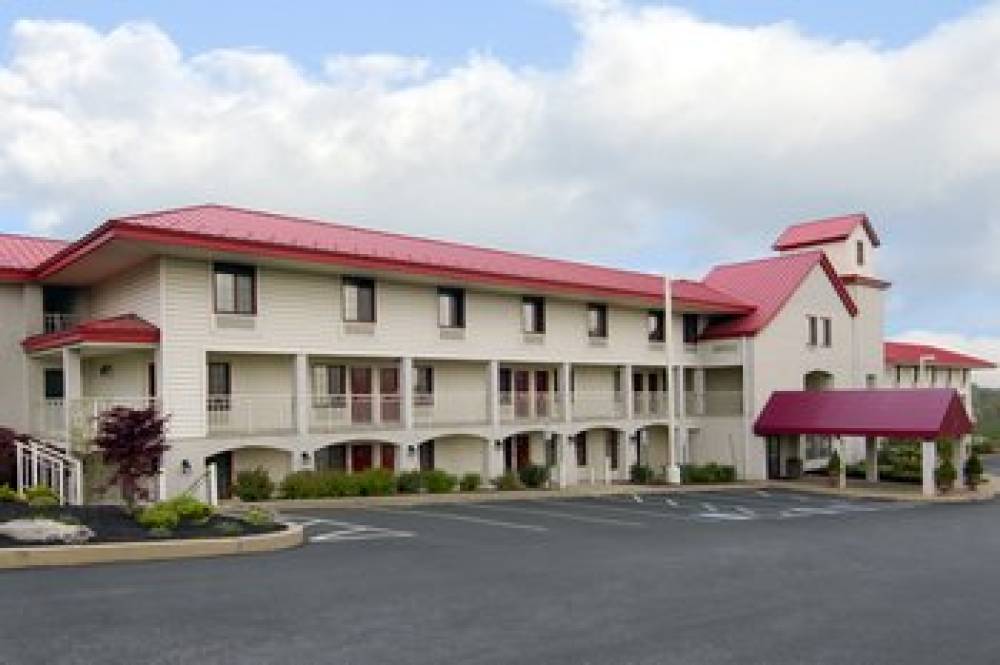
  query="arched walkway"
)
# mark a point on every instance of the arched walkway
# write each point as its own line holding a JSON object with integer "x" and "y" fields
{"x": 229, "y": 463}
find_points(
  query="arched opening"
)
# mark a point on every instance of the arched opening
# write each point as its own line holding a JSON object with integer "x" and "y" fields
{"x": 653, "y": 448}
{"x": 600, "y": 455}
{"x": 358, "y": 455}
{"x": 229, "y": 463}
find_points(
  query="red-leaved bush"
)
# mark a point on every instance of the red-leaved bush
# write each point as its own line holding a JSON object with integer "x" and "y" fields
{"x": 132, "y": 443}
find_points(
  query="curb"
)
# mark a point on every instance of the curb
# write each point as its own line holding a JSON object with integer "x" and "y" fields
{"x": 986, "y": 492}
{"x": 78, "y": 555}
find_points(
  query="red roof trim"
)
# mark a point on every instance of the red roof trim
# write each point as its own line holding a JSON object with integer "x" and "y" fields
{"x": 880, "y": 284}
{"x": 128, "y": 329}
{"x": 906, "y": 414}
{"x": 904, "y": 353}
{"x": 822, "y": 231}
{"x": 12, "y": 275}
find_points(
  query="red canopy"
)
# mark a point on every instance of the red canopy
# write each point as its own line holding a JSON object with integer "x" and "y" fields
{"x": 905, "y": 414}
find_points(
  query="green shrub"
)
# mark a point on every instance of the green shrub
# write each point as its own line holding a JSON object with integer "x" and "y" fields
{"x": 437, "y": 481}
{"x": 945, "y": 475}
{"x": 833, "y": 465}
{"x": 470, "y": 482}
{"x": 641, "y": 474}
{"x": 159, "y": 516}
{"x": 376, "y": 482}
{"x": 973, "y": 470}
{"x": 319, "y": 484}
{"x": 9, "y": 495}
{"x": 189, "y": 509}
{"x": 253, "y": 485}
{"x": 533, "y": 476}
{"x": 160, "y": 532}
{"x": 229, "y": 528}
{"x": 409, "y": 482}
{"x": 40, "y": 492}
{"x": 508, "y": 482}
{"x": 258, "y": 517}
{"x": 708, "y": 473}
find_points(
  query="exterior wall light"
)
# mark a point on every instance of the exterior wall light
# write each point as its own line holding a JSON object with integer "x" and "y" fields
{"x": 185, "y": 466}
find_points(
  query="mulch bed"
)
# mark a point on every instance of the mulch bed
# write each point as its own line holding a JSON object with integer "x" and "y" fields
{"x": 112, "y": 524}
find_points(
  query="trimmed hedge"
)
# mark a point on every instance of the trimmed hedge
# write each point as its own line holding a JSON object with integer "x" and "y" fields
{"x": 253, "y": 485}
{"x": 707, "y": 473}
{"x": 641, "y": 474}
{"x": 533, "y": 476}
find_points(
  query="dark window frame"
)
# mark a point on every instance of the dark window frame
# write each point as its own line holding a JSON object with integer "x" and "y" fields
{"x": 600, "y": 331}
{"x": 827, "y": 332}
{"x": 813, "y": 331}
{"x": 860, "y": 252}
{"x": 359, "y": 283}
{"x": 336, "y": 390}
{"x": 220, "y": 400}
{"x": 690, "y": 324}
{"x": 658, "y": 319}
{"x": 580, "y": 444}
{"x": 505, "y": 386}
{"x": 56, "y": 389}
{"x": 536, "y": 303}
{"x": 236, "y": 271}
{"x": 456, "y": 298}
{"x": 423, "y": 395}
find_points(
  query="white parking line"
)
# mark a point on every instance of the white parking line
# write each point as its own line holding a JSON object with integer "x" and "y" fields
{"x": 335, "y": 530}
{"x": 559, "y": 514}
{"x": 465, "y": 518}
{"x": 618, "y": 509}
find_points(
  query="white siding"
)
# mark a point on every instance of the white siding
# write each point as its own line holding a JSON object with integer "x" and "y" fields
{"x": 136, "y": 291}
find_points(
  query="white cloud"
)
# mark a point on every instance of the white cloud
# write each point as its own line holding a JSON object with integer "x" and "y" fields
{"x": 668, "y": 139}
{"x": 987, "y": 348}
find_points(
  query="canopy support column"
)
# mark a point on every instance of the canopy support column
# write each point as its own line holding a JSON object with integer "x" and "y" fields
{"x": 928, "y": 461}
{"x": 871, "y": 459}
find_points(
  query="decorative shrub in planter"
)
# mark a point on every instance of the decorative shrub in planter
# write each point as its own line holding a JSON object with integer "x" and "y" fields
{"x": 945, "y": 475}
{"x": 708, "y": 473}
{"x": 508, "y": 482}
{"x": 253, "y": 485}
{"x": 408, "y": 482}
{"x": 534, "y": 476}
{"x": 376, "y": 482}
{"x": 438, "y": 481}
{"x": 973, "y": 471}
{"x": 641, "y": 474}
{"x": 470, "y": 482}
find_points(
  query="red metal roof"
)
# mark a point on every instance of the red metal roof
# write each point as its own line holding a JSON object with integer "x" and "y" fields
{"x": 767, "y": 284}
{"x": 228, "y": 229}
{"x": 20, "y": 255}
{"x": 127, "y": 329}
{"x": 820, "y": 231}
{"x": 905, "y": 353}
{"x": 904, "y": 414}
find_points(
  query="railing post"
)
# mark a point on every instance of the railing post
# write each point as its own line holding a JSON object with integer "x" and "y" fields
{"x": 565, "y": 398}
{"x": 406, "y": 391}
{"x": 301, "y": 394}
{"x": 19, "y": 448}
{"x": 212, "y": 485}
{"x": 34, "y": 464}
{"x": 78, "y": 481}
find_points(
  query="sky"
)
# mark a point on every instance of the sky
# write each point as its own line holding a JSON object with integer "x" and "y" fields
{"x": 658, "y": 136}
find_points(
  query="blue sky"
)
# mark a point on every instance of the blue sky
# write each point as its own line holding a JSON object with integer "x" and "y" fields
{"x": 478, "y": 120}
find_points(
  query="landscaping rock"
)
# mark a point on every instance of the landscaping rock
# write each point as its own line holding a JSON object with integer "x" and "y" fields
{"x": 45, "y": 531}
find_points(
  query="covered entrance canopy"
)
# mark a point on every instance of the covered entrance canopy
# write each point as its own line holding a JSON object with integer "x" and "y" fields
{"x": 930, "y": 413}
{"x": 917, "y": 414}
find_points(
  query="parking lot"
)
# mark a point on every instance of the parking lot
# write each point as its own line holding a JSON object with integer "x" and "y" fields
{"x": 706, "y": 578}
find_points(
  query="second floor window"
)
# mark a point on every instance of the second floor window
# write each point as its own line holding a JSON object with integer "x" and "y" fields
{"x": 533, "y": 314}
{"x": 220, "y": 386}
{"x": 329, "y": 386}
{"x": 827, "y": 332}
{"x": 813, "y": 331}
{"x": 235, "y": 289}
{"x": 655, "y": 325}
{"x": 423, "y": 386}
{"x": 359, "y": 300}
{"x": 597, "y": 320}
{"x": 451, "y": 308}
{"x": 860, "y": 249}
{"x": 504, "y": 385}
{"x": 690, "y": 328}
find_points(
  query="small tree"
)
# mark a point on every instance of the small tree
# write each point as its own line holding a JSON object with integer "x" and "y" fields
{"x": 973, "y": 471}
{"x": 132, "y": 443}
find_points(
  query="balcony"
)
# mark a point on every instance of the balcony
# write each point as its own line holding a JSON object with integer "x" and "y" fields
{"x": 250, "y": 414}
{"x": 598, "y": 405}
{"x": 650, "y": 404}
{"x": 53, "y": 322}
{"x": 527, "y": 407}
{"x": 51, "y": 417}
{"x": 459, "y": 408}
{"x": 333, "y": 413}
{"x": 714, "y": 403}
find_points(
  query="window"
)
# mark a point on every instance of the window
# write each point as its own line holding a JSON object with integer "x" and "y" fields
{"x": 504, "y": 385}
{"x": 533, "y": 314}
{"x": 813, "y": 331}
{"x": 655, "y": 325}
{"x": 597, "y": 320}
{"x": 235, "y": 289}
{"x": 871, "y": 381}
{"x": 690, "y": 327}
{"x": 860, "y": 249}
{"x": 220, "y": 387}
{"x": 451, "y": 308}
{"x": 580, "y": 443}
{"x": 423, "y": 386}
{"x": 612, "y": 453}
{"x": 359, "y": 300}
{"x": 329, "y": 386}
{"x": 899, "y": 375}
{"x": 827, "y": 332}
{"x": 55, "y": 385}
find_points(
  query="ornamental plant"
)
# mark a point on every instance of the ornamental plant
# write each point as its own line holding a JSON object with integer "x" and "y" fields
{"x": 973, "y": 471}
{"x": 131, "y": 442}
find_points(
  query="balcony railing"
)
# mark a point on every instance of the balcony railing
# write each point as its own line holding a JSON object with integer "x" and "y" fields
{"x": 250, "y": 414}
{"x": 52, "y": 416}
{"x": 714, "y": 403}
{"x": 342, "y": 412}
{"x": 530, "y": 407}
{"x": 53, "y": 322}
{"x": 650, "y": 404}
{"x": 598, "y": 405}
{"x": 466, "y": 407}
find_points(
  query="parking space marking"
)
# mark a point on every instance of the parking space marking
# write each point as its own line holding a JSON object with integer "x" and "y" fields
{"x": 466, "y": 518}
{"x": 559, "y": 515}
{"x": 599, "y": 504}
{"x": 335, "y": 530}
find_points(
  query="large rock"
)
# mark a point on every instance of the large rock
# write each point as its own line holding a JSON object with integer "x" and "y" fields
{"x": 45, "y": 531}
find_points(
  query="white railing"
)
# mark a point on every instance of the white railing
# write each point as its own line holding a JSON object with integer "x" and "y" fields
{"x": 598, "y": 404}
{"x": 724, "y": 403}
{"x": 530, "y": 407}
{"x": 43, "y": 464}
{"x": 344, "y": 412}
{"x": 650, "y": 404}
{"x": 53, "y": 322}
{"x": 441, "y": 409}
{"x": 250, "y": 414}
{"x": 52, "y": 417}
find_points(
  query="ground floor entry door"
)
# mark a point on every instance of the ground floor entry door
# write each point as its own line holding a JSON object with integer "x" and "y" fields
{"x": 388, "y": 457}
{"x": 773, "y": 458}
{"x": 523, "y": 450}
{"x": 361, "y": 457}
{"x": 223, "y": 473}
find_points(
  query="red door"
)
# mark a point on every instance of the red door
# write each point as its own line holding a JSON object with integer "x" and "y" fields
{"x": 542, "y": 396}
{"x": 388, "y": 381}
{"x": 388, "y": 458}
{"x": 361, "y": 458}
{"x": 361, "y": 394}
{"x": 522, "y": 398}
{"x": 523, "y": 450}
